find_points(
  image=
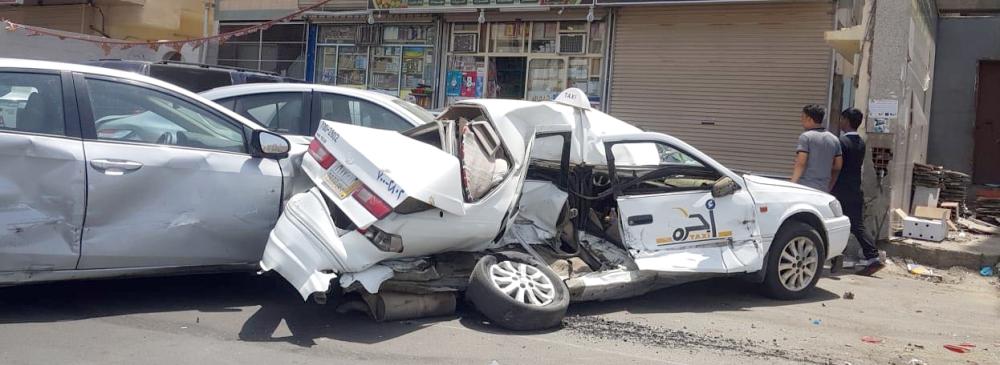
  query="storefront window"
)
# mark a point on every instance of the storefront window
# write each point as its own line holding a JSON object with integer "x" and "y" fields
{"x": 525, "y": 60}
{"x": 543, "y": 37}
{"x": 597, "y": 32}
{"x": 547, "y": 79}
{"x": 507, "y": 37}
{"x": 465, "y": 78}
{"x": 385, "y": 70}
{"x": 279, "y": 49}
{"x": 352, "y": 66}
{"x": 403, "y": 65}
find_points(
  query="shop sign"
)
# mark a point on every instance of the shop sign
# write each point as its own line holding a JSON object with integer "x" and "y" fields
{"x": 478, "y": 4}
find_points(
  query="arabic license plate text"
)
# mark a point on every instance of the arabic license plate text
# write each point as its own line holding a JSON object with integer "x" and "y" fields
{"x": 339, "y": 179}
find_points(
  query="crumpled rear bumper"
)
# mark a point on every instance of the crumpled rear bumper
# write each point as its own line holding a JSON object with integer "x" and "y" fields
{"x": 309, "y": 251}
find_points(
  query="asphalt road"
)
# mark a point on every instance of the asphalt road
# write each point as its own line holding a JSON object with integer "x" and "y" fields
{"x": 245, "y": 319}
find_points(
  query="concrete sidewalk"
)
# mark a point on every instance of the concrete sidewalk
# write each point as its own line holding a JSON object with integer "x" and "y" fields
{"x": 971, "y": 251}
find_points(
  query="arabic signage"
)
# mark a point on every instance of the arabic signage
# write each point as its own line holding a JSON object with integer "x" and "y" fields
{"x": 477, "y": 4}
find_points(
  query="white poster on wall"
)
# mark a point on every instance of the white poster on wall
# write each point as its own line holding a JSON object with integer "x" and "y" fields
{"x": 882, "y": 112}
{"x": 883, "y": 108}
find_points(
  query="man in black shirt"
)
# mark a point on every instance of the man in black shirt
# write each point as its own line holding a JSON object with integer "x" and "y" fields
{"x": 848, "y": 188}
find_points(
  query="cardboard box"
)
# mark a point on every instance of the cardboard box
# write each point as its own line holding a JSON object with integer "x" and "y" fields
{"x": 924, "y": 196}
{"x": 932, "y": 213}
{"x": 925, "y": 229}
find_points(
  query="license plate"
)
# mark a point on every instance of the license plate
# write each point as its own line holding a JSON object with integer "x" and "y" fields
{"x": 339, "y": 179}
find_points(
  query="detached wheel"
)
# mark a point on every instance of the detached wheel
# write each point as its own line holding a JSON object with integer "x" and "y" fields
{"x": 517, "y": 292}
{"x": 794, "y": 262}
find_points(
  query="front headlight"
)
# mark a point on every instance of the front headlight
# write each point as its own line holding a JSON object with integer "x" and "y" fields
{"x": 836, "y": 209}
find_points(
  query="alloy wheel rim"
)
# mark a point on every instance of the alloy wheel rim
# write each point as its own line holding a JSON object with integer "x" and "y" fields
{"x": 798, "y": 263}
{"x": 522, "y": 282}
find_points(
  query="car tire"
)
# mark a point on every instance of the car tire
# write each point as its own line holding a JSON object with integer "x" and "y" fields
{"x": 538, "y": 301}
{"x": 794, "y": 262}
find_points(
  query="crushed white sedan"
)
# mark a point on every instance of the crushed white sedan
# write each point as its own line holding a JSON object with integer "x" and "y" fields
{"x": 522, "y": 207}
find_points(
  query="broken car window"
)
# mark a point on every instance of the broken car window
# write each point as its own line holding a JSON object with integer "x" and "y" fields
{"x": 653, "y": 167}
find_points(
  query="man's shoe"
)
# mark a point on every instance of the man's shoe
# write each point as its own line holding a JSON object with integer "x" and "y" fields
{"x": 871, "y": 268}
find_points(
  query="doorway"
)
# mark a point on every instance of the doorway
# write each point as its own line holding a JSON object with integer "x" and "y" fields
{"x": 510, "y": 76}
{"x": 986, "y": 168}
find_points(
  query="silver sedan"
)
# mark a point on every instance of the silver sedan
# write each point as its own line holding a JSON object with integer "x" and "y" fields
{"x": 107, "y": 173}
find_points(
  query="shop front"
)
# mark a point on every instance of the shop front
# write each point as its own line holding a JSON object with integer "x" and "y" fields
{"x": 390, "y": 58}
{"x": 511, "y": 49}
{"x": 529, "y": 60}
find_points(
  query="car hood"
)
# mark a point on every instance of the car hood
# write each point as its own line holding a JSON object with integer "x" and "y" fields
{"x": 777, "y": 183}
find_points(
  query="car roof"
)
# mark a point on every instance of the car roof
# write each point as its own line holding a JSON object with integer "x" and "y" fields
{"x": 259, "y": 88}
{"x": 184, "y": 65}
{"x": 102, "y": 71}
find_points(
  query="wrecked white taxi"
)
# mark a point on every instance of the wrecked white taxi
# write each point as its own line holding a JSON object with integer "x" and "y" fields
{"x": 526, "y": 206}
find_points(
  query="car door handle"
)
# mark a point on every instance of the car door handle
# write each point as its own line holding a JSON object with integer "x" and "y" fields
{"x": 115, "y": 167}
{"x": 638, "y": 220}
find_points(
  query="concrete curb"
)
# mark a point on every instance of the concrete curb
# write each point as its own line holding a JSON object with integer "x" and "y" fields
{"x": 945, "y": 254}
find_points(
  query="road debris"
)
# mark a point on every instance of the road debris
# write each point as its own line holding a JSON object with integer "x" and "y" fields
{"x": 848, "y": 295}
{"x": 638, "y": 333}
{"x": 871, "y": 339}
{"x": 960, "y": 348}
{"x": 987, "y": 270}
{"x": 922, "y": 271}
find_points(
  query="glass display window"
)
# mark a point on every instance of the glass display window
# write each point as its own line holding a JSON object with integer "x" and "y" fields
{"x": 531, "y": 60}
{"x": 465, "y": 78}
{"x": 546, "y": 78}
{"x": 507, "y": 37}
{"x": 417, "y": 75}
{"x": 598, "y": 32}
{"x": 402, "y": 66}
{"x": 352, "y": 66}
{"x": 385, "y": 68}
{"x": 543, "y": 37}
{"x": 280, "y": 49}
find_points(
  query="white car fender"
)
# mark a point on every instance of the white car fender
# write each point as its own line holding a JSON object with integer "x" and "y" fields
{"x": 772, "y": 226}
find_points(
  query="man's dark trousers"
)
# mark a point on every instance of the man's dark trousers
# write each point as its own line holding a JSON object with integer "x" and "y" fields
{"x": 854, "y": 208}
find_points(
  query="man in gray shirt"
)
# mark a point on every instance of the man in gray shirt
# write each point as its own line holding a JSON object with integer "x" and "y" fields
{"x": 818, "y": 157}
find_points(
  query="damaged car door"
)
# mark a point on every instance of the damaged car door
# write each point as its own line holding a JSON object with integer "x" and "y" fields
{"x": 42, "y": 182}
{"x": 672, "y": 220}
{"x": 171, "y": 181}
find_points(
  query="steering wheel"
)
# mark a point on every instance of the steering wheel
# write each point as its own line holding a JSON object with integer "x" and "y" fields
{"x": 167, "y": 138}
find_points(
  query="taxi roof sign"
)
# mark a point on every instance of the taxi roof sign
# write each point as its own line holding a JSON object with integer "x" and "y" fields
{"x": 574, "y": 97}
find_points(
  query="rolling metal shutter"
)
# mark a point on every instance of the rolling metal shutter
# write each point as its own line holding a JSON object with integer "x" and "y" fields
{"x": 729, "y": 79}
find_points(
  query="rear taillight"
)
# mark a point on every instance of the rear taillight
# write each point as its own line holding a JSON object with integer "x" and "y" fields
{"x": 382, "y": 240}
{"x": 375, "y": 205}
{"x": 318, "y": 152}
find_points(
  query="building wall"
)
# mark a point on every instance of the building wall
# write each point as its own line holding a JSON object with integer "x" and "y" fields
{"x": 153, "y": 20}
{"x": 70, "y": 18}
{"x": 963, "y": 41}
{"x": 20, "y": 45}
{"x": 897, "y": 63}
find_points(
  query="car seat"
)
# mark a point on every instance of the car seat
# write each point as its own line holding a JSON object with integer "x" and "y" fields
{"x": 36, "y": 117}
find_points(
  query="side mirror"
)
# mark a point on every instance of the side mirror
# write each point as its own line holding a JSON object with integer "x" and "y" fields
{"x": 269, "y": 144}
{"x": 724, "y": 186}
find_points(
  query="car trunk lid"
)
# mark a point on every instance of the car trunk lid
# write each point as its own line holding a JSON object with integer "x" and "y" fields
{"x": 366, "y": 171}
